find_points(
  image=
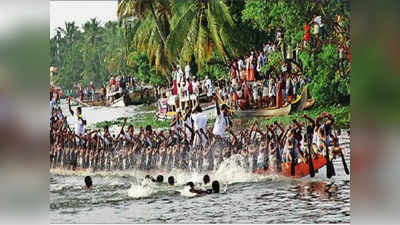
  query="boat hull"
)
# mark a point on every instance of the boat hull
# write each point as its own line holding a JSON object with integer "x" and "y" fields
{"x": 284, "y": 111}
{"x": 301, "y": 169}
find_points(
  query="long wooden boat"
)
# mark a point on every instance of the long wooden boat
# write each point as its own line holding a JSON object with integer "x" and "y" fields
{"x": 301, "y": 169}
{"x": 309, "y": 103}
{"x": 265, "y": 112}
{"x": 169, "y": 115}
{"x": 299, "y": 103}
{"x": 95, "y": 103}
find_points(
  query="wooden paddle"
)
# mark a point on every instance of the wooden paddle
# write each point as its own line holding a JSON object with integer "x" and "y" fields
{"x": 328, "y": 162}
{"x": 346, "y": 169}
{"x": 278, "y": 154}
{"x": 292, "y": 164}
{"x": 309, "y": 158}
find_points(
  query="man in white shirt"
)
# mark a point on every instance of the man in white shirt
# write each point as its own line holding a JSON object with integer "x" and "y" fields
{"x": 187, "y": 71}
{"x": 222, "y": 120}
{"x": 196, "y": 87}
{"x": 179, "y": 76}
{"x": 209, "y": 87}
{"x": 79, "y": 121}
{"x": 199, "y": 122}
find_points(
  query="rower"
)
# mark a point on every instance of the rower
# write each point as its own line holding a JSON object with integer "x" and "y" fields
{"x": 215, "y": 188}
{"x": 200, "y": 123}
{"x": 80, "y": 123}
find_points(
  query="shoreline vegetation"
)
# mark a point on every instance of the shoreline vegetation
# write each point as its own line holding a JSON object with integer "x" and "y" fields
{"x": 341, "y": 114}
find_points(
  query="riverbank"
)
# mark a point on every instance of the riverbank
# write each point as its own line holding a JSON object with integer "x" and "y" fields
{"x": 341, "y": 114}
{"x": 146, "y": 116}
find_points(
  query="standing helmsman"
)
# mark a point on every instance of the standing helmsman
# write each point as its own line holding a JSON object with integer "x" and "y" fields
{"x": 80, "y": 122}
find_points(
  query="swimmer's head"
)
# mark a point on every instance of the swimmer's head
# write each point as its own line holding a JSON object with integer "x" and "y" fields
{"x": 190, "y": 184}
{"x": 88, "y": 181}
{"x": 206, "y": 179}
{"x": 149, "y": 177}
{"x": 215, "y": 186}
{"x": 160, "y": 178}
{"x": 171, "y": 180}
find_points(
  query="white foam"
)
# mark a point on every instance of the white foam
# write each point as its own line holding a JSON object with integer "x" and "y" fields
{"x": 143, "y": 190}
{"x": 230, "y": 172}
{"x": 186, "y": 192}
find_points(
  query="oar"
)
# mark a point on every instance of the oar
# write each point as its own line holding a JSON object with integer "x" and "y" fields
{"x": 346, "y": 169}
{"x": 328, "y": 162}
{"x": 310, "y": 163}
{"x": 293, "y": 164}
{"x": 332, "y": 167}
{"x": 278, "y": 154}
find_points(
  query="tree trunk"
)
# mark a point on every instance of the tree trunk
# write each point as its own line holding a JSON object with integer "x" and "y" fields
{"x": 158, "y": 26}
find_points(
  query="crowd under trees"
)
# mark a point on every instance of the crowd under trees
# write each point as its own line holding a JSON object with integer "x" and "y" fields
{"x": 150, "y": 36}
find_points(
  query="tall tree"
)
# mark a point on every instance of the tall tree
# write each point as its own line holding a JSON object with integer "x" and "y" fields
{"x": 197, "y": 28}
{"x": 152, "y": 30}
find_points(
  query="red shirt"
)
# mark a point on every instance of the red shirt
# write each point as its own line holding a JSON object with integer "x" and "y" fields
{"x": 306, "y": 32}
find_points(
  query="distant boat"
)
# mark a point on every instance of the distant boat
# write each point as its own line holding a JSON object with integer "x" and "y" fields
{"x": 265, "y": 112}
{"x": 296, "y": 105}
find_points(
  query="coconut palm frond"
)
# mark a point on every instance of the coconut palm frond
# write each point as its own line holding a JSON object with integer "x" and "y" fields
{"x": 176, "y": 38}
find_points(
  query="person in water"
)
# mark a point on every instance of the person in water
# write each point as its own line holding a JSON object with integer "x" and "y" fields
{"x": 206, "y": 179}
{"x": 88, "y": 182}
{"x": 159, "y": 178}
{"x": 171, "y": 180}
{"x": 215, "y": 188}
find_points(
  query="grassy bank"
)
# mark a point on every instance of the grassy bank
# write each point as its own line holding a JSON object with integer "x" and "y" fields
{"x": 341, "y": 115}
{"x": 141, "y": 120}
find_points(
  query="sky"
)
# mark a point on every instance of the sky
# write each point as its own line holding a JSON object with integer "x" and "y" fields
{"x": 80, "y": 12}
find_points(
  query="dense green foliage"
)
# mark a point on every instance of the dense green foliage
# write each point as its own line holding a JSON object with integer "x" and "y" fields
{"x": 150, "y": 36}
{"x": 319, "y": 65}
{"x": 95, "y": 54}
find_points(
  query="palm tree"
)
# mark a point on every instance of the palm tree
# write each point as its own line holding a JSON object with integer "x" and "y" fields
{"x": 141, "y": 8}
{"x": 149, "y": 21}
{"x": 198, "y": 27}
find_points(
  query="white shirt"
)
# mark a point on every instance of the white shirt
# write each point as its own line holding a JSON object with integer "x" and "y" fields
{"x": 196, "y": 87}
{"x": 79, "y": 127}
{"x": 319, "y": 21}
{"x": 266, "y": 49}
{"x": 179, "y": 76}
{"x": 241, "y": 64}
{"x": 209, "y": 87}
{"x": 200, "y": 121}
{"x": 283, "y": 68}
{"x": 220, "y": 125}
{"x": 187, "y": 71}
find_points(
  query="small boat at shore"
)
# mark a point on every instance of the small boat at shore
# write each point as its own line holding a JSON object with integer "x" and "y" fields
{"x": 309, "y": 103}
{"x": 265, "y": 112}
{"x": 169, "y": 115}
{"x": 301, "y": 102}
